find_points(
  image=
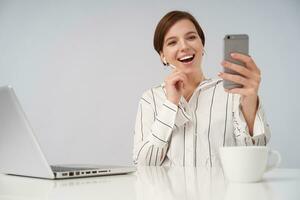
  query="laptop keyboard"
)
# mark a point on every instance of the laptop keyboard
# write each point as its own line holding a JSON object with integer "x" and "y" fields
{"x": 66, "y": 169}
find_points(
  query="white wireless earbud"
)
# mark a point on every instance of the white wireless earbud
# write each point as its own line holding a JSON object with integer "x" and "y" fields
{"x": 168, "y": 64}
{"x": 164, "y": 61}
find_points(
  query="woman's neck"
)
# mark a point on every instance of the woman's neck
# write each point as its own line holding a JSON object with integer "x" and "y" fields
{"x": 194, "y": 80}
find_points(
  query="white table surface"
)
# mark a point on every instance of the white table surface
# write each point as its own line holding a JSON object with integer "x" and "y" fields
{"x": 156, "y": 183}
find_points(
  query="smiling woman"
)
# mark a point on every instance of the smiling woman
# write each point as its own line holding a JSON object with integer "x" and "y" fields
{"x": 185, "y": 120}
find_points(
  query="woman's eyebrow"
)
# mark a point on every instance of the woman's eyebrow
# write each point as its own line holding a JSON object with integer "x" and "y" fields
{"x": 190, "y": 32}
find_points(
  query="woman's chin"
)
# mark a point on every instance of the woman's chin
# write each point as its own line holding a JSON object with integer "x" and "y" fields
{"x": 190, "y": 69}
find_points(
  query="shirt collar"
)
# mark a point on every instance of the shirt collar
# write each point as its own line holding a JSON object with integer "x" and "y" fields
{"x": 205, "y": 84}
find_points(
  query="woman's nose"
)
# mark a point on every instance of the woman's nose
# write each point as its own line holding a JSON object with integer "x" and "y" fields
{"x": 184, "y": 45}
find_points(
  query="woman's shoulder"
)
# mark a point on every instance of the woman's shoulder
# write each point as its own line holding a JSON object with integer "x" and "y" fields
{"x": 215, "y": 86}
{"x": 155, "y": 92}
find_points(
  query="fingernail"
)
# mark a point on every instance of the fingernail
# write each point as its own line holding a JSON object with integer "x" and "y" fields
{"x": 220, "y": 73}
{"x": 232, "y": 54}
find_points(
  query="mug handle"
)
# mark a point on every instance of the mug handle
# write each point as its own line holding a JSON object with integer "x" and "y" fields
{"x": 271, "y": 167}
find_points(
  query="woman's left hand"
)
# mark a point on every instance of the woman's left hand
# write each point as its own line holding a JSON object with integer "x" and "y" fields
{"x": 249, "y": 76}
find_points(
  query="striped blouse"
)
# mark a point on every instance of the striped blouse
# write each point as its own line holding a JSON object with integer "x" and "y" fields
{"x": 191, "y": 133}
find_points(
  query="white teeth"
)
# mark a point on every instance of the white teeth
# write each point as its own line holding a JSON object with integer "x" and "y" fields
{"x": 186, "y": 57}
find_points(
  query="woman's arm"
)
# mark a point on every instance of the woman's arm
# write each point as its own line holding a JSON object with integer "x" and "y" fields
{"x": 249, "y": 106}
{"x": 249, "y": 77}
{"x": 260, "y": 131}
{"x": 250, "y": 124}
{"x": 153, "y": 129}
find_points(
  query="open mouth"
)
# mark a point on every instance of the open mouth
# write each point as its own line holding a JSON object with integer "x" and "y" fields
{"x": 187, "y": 59}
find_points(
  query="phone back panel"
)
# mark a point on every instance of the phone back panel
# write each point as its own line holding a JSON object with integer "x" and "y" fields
{"x": 238, "y": 43}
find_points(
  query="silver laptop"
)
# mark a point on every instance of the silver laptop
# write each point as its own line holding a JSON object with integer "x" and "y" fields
{"x": 20, "y": 153}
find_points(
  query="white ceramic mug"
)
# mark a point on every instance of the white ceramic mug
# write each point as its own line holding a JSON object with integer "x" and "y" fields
{"x": 247, "y": 163}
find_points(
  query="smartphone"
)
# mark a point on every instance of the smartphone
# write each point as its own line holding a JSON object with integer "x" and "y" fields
{"x": 234, "y": 43}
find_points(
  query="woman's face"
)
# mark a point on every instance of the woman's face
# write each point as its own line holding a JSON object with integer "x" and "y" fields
{"x": 183, "y": 47}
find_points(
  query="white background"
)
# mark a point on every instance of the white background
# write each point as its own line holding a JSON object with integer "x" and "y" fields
{"x": 80, "y": 67}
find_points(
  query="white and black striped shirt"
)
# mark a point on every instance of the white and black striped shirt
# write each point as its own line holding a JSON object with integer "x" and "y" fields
{"x": 191, "y": 133}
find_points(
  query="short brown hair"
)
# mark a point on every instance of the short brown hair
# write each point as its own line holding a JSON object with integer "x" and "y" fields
{"x": 167, "y": 22}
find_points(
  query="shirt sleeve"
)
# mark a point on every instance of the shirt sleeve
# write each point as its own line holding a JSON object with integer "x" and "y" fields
{"x": 152, "y": 131}
{"x": 261, "y": 129}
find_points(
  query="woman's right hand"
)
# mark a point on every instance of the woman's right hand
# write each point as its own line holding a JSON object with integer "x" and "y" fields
{"x": 174, "y": 84}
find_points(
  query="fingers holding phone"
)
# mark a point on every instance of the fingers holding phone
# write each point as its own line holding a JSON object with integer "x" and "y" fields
{"x": 248, "y": 76}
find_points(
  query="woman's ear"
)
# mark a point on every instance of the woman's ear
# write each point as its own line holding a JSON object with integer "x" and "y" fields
{"x": 163, "y": 58}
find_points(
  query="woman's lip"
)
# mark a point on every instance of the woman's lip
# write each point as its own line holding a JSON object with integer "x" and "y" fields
{"x": 187, "y": 63}
{"x": 193, "y": 55}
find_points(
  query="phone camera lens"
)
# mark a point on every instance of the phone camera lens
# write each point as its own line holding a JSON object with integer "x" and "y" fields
{"x": 228, "y": 37}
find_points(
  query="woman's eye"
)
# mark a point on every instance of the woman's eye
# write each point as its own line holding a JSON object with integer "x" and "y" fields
{"x": 171, "y": 43}
{"x": 192, "y": 37}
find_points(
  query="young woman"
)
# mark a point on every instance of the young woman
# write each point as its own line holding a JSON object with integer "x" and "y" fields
{"x": 187, "y": 118}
